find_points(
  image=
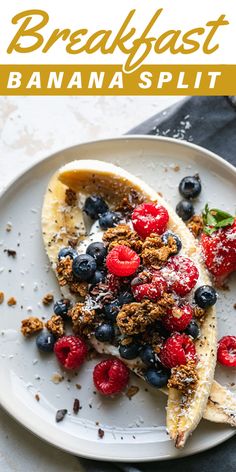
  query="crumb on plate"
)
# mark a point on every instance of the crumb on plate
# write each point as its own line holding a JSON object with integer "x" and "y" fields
{"x": 11, "y": 301}
{"x": 100, "y": 433}
{"x": 60, "y": 415}
{"x": 132, "y": 390}
{"x": 48, "y": 299}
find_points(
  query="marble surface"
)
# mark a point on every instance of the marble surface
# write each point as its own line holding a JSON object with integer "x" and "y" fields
{"x": 30, "y": 129}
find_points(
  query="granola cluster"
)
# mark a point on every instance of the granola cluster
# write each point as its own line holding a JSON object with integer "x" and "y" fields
{"x": 31, "y": 325}
{"x": 155, "y": 252}
{"x": 65, "y": 276}
{"x": 83, "y": 319}
{"x": 56, "y": 326}
{"x": 81, "y": 288}
{"x": 122, "y": 235}
{"x": 47, "y": 299}
{"x": 64, "y": 271}
{"x": 128, "y": 204}
{"x": 11, "y": 301}
{"x": 184, "y": 378}
{"x": 195, "y": 225}
{"x": 199, "y": 313}
{"x": 154, "y": 339}
{"x": 134, "y": 318}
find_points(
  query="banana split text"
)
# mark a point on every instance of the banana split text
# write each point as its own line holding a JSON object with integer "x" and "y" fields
{"x": 83, "y": 79}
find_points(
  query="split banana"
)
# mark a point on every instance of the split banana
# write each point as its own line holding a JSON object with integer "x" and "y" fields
{"x": 61, "y": 222}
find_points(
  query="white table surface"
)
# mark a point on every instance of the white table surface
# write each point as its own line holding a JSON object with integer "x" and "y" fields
{"x": 30, "y": 129}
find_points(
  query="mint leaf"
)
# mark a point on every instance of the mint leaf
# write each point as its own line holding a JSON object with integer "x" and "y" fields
{"x": 227, "y": 222}
{"x": 214, "y": 219}
{"x": 205, "y": 213}
{"x": 208, "y": 230}
{"x": 211, "y": 221}
{"x": 220, "y": 215}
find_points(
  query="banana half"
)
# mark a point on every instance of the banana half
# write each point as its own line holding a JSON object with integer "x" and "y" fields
{"x": 61, "y": 223}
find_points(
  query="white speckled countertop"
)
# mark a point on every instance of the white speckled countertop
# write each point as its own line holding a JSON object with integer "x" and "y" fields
{"x": 30, "y": 129}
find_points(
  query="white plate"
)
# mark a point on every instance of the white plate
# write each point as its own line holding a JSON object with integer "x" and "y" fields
{"x": 135, "y": 429}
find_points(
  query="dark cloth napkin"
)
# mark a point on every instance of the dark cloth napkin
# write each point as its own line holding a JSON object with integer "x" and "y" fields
{"x": 211, "y": 123}
{"x": 207, "y": 121}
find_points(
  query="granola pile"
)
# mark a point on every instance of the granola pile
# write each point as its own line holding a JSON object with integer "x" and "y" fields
{"x": 129, "y": 290}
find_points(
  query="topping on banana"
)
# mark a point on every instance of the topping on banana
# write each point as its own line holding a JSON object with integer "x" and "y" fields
{"x": 65, "y": 224}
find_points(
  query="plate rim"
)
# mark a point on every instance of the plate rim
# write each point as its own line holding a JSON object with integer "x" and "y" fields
{"x": 128, "y": 137}
{"x": 11, "y": 411}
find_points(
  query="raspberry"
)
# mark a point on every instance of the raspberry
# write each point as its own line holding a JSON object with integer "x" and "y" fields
{"x": 152, "y": 290}
{"x": 150, "y": 218}
{"x": 110, "y": 376}
{"x": 181, "y": 275}
{"x": 226, "y": 354}
{"x": 122, "y": 261}
{"x": 70, "y": 351}
{"x": 178, "y": 318}
{"x": 177, "y": 350}
{"x": 219, "y": 251}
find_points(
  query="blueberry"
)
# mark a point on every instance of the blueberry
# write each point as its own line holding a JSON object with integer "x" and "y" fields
{"x": 129, "y": 351}
{"x": 84, "y": 267}
{"x": 105, "y": 332}
{"x": 95, "y": 206}
{"x": 98, "y": 277}
{"x": 61, "y": 307}
{"x": 162, "y": 331}
{"x": 67, "y": 251}
{"x": 125, "y": 297}
{"x": 185, "y": 210}
{"x": 190, "y": 187}
{"x": 97, "y": 251}
{"x": 109, "y": 219}
{"x": 192, "y": 329}
{"x": 111, "y": 310}
{"x": 157, "y": 377}
{"x": 205, "y": 296}
{"x": 45, "y": 341}
{"x": 166, "y": 236}
{"x": 147, "y": 355}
